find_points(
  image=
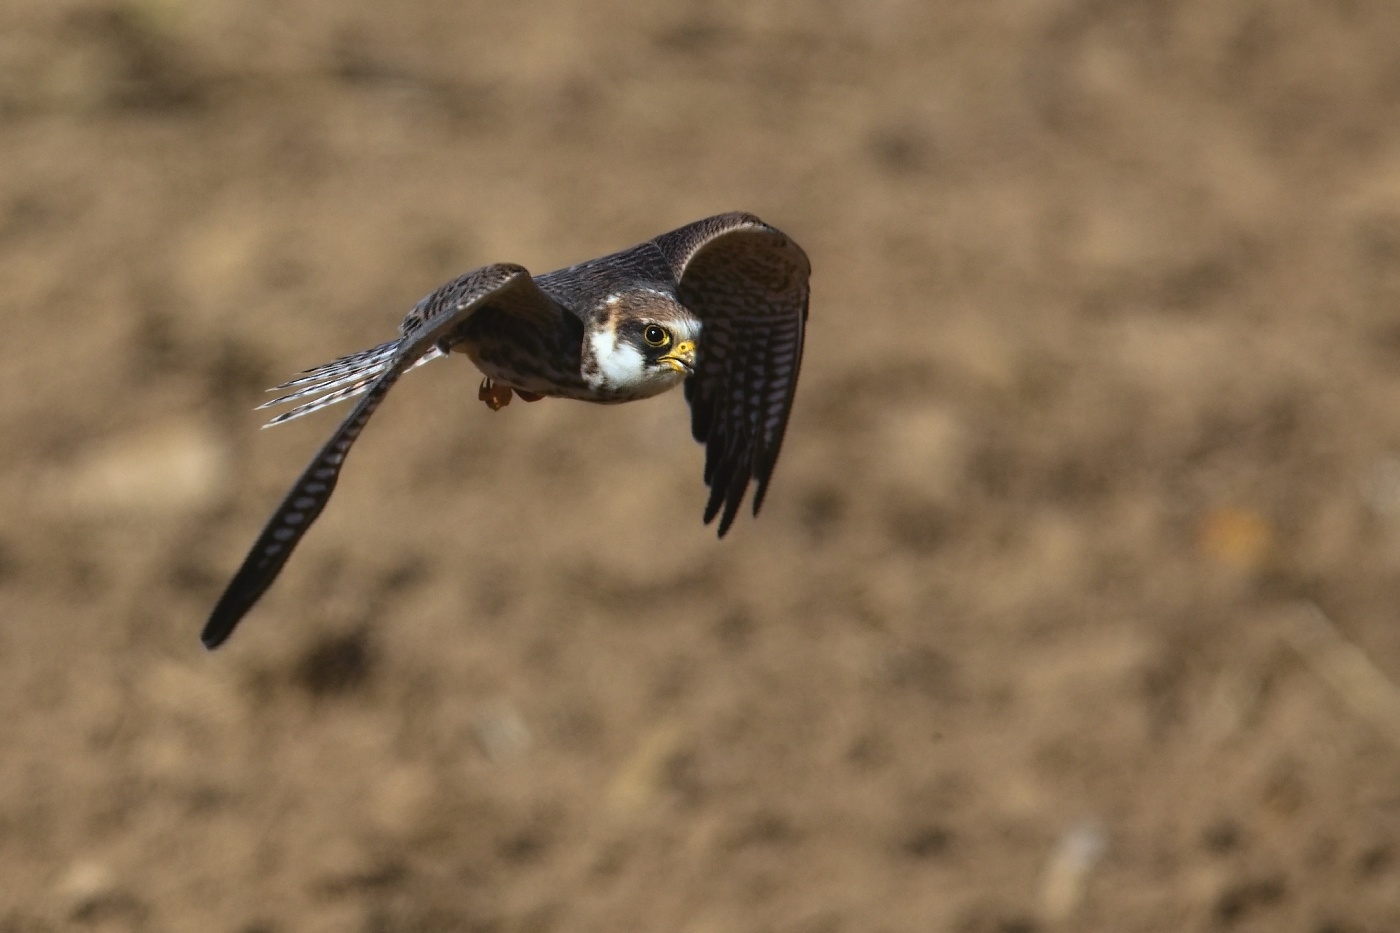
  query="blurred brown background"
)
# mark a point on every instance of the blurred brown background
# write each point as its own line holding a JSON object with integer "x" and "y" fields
{"x": 1102, "y": 391}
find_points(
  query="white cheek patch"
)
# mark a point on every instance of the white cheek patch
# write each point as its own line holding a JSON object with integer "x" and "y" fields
{"x": 603, "y": 340}
{"x": 619, "y": 366}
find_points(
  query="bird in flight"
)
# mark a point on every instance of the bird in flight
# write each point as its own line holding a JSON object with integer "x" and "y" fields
{"x": 719, "y": 305}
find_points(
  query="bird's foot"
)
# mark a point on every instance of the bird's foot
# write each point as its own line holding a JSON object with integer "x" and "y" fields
{"x": 495, "y": 396}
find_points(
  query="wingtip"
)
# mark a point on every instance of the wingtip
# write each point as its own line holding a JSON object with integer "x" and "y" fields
{"x": 758, "y": 495}
{"x": 229, "y": 611}
{"x": 727, "y": 520}
{"x": 215, "y": 633}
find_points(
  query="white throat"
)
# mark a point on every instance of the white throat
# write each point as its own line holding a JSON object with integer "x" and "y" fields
{"x": 619, "y": 367}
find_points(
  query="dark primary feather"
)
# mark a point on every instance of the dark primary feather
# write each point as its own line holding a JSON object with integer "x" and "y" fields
{"x": 748, "y": 283}
{"x": 431, "y": 321}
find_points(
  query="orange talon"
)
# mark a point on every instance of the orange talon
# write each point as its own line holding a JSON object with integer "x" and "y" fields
{"x": 495, "y": 396}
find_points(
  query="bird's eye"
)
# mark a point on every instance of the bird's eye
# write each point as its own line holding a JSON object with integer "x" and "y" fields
{"x": 655, "y": 335}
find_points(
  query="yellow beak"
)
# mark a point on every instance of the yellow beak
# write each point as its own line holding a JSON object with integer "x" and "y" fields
{"x": 682, "y": 357}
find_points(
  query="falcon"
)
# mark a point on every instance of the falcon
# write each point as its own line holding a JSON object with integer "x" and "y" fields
{"x": 719, "y": 305}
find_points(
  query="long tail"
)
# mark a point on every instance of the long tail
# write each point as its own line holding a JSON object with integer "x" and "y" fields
{"x": 338, "y": 380}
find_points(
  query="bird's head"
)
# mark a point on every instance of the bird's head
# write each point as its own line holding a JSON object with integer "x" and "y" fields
{"x": 644, "y": 344}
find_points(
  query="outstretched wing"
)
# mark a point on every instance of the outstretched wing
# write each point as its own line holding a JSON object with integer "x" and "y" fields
{"x": 432, "y": 322}
{"x": 748, "y": 283}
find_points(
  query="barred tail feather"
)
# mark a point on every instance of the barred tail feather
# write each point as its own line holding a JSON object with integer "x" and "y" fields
{"x": 338, "y": 380}
{"x": 343, "y": 365}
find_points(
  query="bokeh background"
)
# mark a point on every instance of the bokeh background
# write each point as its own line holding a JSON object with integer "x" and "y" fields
{"x": 1074, "y": 602}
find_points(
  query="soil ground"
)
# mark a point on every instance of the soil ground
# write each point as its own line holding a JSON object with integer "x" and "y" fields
{"x": 1074, "y": 602}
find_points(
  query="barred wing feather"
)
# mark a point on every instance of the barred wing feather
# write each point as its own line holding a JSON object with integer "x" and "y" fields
{"x": 748, "y": 282}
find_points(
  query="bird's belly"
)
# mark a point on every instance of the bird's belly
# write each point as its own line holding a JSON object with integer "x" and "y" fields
{"x": 528, "y": 373}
